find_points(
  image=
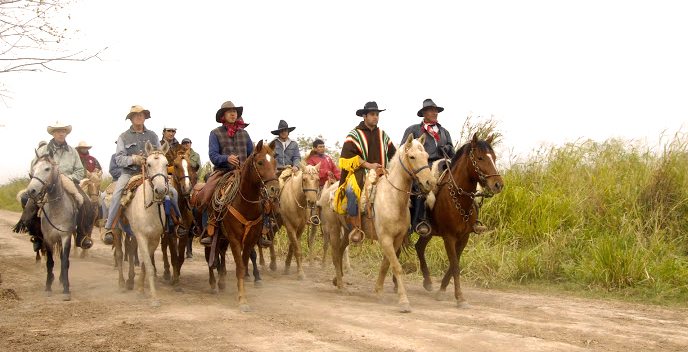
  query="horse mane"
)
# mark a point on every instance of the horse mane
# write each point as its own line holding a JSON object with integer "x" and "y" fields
{"x": 466, "y": 148}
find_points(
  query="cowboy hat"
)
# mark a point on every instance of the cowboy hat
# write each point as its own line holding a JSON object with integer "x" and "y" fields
{"x": 282, "y": 126}
{"x": 226, "y": 106}
{"x": 83, "y": 144}
{"x": 428, "y": 103}
{"x": 165, "y": 128}
{"x": 138, "y": 108}
{"x": 368, "y": 107}
{"x": 59, "y": 126}
{"x": 186, "y": 140}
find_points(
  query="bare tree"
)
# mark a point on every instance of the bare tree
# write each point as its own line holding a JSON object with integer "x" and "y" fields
{"x": 31, "y": 34}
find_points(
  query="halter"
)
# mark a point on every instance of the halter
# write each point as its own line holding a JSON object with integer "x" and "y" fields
{"x": 150, "y": 179}
{"x": 46, "y": 189}
{"x": 414, "y": 174}
{"x": 313, "y": 219}
{"x": 178, "y": 180}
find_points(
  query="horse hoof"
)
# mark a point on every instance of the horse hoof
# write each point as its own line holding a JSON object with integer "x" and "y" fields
{"x": 405, "y": 308}
{"x": 244, "y": 308}
{"x": 273, "y": 267}
{"x": 334, "y": 281}
{"x": 155, "y": 303}
{"x": 301, "y": 276}
{"x": 427, "y": 286}
{"x": 47, "y": 293}
{"x": 258, "y": 283}
{"x": 214, "y": 290}
{"x": 166, "y": 276}
{"x": 66, "y": 297}
{"x": 462, "y": 305}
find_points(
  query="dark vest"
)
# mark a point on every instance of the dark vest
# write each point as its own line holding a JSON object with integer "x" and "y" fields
{"x": 135, "y": 143}
{"x": 235, "y": 145}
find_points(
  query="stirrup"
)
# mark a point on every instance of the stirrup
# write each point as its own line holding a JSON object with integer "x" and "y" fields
{"x": 356, "y": 235}
{"x": 206, "y": 241}
{"x": 108, "y": 238}
{"x": 84, "y": 243}
{"x": 423, "y": 229}
{"x": 181, "y": 231}
{"x": 479, "y": 228}
{"x": 264, "y": 242}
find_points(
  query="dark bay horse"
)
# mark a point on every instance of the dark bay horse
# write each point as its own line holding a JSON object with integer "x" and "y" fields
{"x": 243, "y": 215}
{"x": 184, "y": 178}
{"x": 454, "y": 212}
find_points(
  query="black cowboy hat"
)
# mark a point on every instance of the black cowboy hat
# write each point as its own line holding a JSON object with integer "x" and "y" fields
{"x": 226, "y": 106}
{"x": 368, "y": 107}
{"x": 283, "y": 125}
{"x": 428, "y": 103}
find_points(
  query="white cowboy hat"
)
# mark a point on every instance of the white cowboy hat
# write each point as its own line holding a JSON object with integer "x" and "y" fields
{"x": 83, "y": 144}
{"x": 57, "y": 125}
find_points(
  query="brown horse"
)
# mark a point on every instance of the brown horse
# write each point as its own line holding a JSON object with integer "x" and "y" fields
{"x": 258, "y": 194}
{"x": 184, "y": 178}
{"x": 454, "y": 212}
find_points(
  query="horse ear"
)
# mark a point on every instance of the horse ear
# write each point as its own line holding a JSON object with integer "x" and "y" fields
{"x": 165, "y": 147}
{"x": 409, "y": 140}
{"x": 148, "y": 147}
{"x": 259, "y": 146}
{"x": 422, "y": 139}
{"x": 36, "y": 151}
{"x": 490, "y": 139}
{"x": 474, "y": 141}
{"x": 272, "y": 144}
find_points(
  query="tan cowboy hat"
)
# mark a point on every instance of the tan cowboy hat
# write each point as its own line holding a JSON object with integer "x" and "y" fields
{"x": 138, "y": 108}
{"x": 226, "y": 106}
{"x": 57, "y": 125}
{"x": 83, "y": 144}
{"x": 428, "y": 103}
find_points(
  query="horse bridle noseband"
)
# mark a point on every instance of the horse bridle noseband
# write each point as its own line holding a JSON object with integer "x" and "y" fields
{"x": 413, "y": 174}
{"x": 151, "y": 178}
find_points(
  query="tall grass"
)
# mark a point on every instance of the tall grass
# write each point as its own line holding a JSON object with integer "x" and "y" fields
{"x": 8, "y": 193}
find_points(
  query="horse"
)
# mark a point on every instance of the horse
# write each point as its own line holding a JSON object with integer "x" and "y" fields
{"x": 454, "y": 212}
{"x": 58, "y": 219}
{"x": 243, "y": 215}
{"x": 388, "y": 218}
{"x": 298, "y": 201}
{"x": 184, "y": 178}
{"x": 145, "y": 214}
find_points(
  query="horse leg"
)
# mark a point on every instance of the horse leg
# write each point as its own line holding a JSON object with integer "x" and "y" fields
{"x": 299, "y": 254}
{"x": 312, "y": 232}
{"x": 174, "y": 257}
{"x": 222, "y": 267}
{"x": 239, "y": 262}
{"x": 64, "y": 267}
{"x": 119, "y": 258}
{"x": 257, "y": 280}
{"x": 389, "y": 247}
{"x": 211, "y": 272}
{"x": 261, "y": 257}
{"x": 132, "y": 248}
{"x": 273, "y": 257}
{"x": 49, "y": 264}
{"x": 326, "y": 245}
{"x": 338, "y": 247}
{"x": 181, "y": 249}
{"x": 458, "y": 294}
{"x": 144, "y": 248}
{"x": 290, "y": 253}
{"x": 420, "y": 250}
{"x": 164, "y": 245}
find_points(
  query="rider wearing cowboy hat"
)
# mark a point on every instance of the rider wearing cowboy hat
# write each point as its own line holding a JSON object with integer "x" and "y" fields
{"x": 71, "y": 172}
{"x": 366, "y": 147}
{"x": 194, "y": 158}
{"x": 438, "y": 144}
{"x": 90, "y": 162}
{"x": 287, "y": 152}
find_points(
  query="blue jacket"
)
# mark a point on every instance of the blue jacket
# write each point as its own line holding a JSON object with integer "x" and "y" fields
{"x": 291, "y": 156}
{"x": 115, "y": 171}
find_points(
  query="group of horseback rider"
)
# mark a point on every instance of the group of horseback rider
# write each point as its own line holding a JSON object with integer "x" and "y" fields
{"x": 366, "y": 147}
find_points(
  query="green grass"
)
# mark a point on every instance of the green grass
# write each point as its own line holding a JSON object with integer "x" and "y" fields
{"x": 8, "y": 193}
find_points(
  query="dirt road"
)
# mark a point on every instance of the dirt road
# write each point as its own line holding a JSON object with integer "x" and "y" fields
{"x": 302, "y": 315}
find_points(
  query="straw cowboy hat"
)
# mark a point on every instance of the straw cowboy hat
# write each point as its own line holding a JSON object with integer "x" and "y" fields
{"x": 283, "y": 125}
{"x": 138, "y": 108}
{"x": 368, "y": 107}
{"x": 165, "y": 128}
{"x": 428, "y": 103}
{"x": 84, "y": 145}
{"x": 226, "y": 106}
{"x": 57, "y": 125}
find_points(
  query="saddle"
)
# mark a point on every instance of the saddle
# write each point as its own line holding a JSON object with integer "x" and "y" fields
{"x": 130, "y": 189}
{"x": 202, "y": 193}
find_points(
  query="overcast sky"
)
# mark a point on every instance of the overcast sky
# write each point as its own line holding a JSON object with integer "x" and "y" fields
{"x": 549, "y": 71}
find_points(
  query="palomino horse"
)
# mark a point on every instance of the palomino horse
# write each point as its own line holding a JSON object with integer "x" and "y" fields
{"x": 145, "y": 214}
{"x": 454, "y": 212}
{"x": 297, "y": 201}
{"x": 390, "y": 218}
{"x": 243, "y": 219}
{"x": 58, "y": 219}
{"x": 183, "y": 179}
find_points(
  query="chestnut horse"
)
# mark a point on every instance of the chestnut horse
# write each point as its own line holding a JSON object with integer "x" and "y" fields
{"x": 183, "y": 180}
{"x": 454, "y": 212}
{"x": 243, "y": 218}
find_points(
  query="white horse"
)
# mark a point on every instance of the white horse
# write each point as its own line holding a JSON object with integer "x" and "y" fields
{"x": 146, "y": 214}
{"x": 297, "y": 204}
{"x": 390, "y": 218}
{"x": 58, "y": 217}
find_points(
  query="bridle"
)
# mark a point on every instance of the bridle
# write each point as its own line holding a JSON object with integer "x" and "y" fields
{"x": 149, "y": 178}
{"x": 413, "y": 174}
{"x": 47, "y": 189}
{"x": 178, "y": 180}
{"x": 314, "y": 218}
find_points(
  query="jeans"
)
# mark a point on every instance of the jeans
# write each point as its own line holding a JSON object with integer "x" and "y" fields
{"x": 351, "y": 202}
{"x": 116, "y": 197}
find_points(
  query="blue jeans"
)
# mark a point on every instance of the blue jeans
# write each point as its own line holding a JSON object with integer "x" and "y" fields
{"x": 351, "y": 202}
{"x": 117, "y": 196}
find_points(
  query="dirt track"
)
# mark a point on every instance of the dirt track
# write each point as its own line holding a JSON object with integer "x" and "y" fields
{"x": 302, "y": 315}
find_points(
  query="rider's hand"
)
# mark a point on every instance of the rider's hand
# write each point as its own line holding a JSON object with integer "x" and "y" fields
{"x": 137, "y": 160}
{"x": 233, "y": 160}
{"x": 294, "y": 169}
{"x": 372, "y": 166}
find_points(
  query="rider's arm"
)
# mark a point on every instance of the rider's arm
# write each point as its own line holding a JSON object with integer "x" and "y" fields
{"x": 218, "y": 159}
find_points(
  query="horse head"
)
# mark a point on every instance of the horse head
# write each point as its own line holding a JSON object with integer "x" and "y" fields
{"x": 44, "y": 175}
{"x": 483, "y": 164}
{"x": 263, "y": 165}
{"x": 310, "y": 182}
{"x": 156, "y": 169}
{"x": 184, "y": 175}
{"x": 414, "y": 160}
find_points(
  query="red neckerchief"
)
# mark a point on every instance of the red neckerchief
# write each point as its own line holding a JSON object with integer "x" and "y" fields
{"x": 428, "y": 128}
{"x": 232, "y": 128}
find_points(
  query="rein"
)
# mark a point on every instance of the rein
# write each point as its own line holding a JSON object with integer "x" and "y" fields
{"x": 314, "y": 218}
{"x": 45, "y": 191}
{"x": 414, "y": 175}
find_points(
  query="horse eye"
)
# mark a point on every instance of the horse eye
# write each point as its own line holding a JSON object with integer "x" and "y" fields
{"x": 412, "y": 157}
{"x": 260, "y": 163}
{"x": 480, "y": 158}
{"x": 47, "y": 168}
{"x": 149, "y": 164}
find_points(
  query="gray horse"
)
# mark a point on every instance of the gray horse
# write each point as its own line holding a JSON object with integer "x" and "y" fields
{"x": 58, "y": 218}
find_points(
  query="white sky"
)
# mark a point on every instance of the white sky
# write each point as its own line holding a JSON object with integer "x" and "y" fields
{"x": 549, "y": 71}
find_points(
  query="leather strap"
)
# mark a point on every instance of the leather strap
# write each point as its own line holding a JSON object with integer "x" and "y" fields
{"x": 247, "y": 224}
